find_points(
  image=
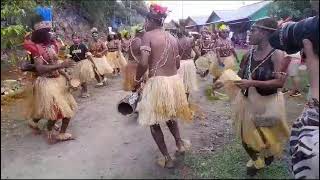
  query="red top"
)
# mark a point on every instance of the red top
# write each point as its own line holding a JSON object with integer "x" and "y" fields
{"x": 49, "y": 53}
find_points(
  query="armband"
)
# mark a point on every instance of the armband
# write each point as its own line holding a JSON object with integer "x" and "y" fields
{"x": 145, "y": 48}
{"x": 281, "y": 73}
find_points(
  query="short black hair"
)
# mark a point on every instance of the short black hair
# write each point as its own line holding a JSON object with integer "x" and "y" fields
{"x": 109, "y": 37}
{"x": 156, "y": 21}
{"x": 118, "y": 36}
{"x": 75, "y": 34}
{"x": 41, "y": 36}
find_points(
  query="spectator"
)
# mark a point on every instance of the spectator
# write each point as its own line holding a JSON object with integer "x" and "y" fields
{"x": 304, "y": 139}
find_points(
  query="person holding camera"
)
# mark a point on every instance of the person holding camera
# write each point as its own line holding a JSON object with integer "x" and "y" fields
{"x": 304, "y": 139}
{"x": 293, "y": 68}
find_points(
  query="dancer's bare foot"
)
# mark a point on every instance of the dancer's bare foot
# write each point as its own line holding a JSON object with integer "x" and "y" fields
{"x": 99, "y": 85}
{"x": 169, "y": 164}
{"x": 166, "y": 162}
{"x": 65, "y": 137}
{"x": 85, "y": 95}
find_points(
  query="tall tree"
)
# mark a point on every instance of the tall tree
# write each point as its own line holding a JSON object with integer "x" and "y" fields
{"x": 286, "y": 8}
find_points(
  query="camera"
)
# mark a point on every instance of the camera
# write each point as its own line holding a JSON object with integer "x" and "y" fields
{"x": 289, "y": 38}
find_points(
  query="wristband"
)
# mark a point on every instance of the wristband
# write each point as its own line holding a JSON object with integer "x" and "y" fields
{"x": 281, "y": 73}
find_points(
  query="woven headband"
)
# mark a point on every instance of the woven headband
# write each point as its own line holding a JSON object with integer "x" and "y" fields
{"x": 43, "y": 24}
{"x": 264, "y": 27}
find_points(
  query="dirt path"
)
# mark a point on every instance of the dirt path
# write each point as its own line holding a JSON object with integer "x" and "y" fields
{"x": 108, "y": 145}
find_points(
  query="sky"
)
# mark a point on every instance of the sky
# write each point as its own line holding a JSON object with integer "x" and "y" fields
{"x": 183, "y": 9}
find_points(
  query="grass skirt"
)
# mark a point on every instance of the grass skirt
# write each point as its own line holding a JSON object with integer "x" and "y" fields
{"x": 217, "y": 70}
{"x": 50, "y": 99}
{"x": 163, "y": 98}
{"x": 102, "y": 65}
{"x": 227, "y": 78}
{"x": 83, "y": 71}
{"x": 266, "y": 140}
{"x": 187, "y": 72}
{"x": 129, "y": 74}
{"x": 203, "y": 62}
{"x": 116, "y": 59}
{"x": 245, "y": 110}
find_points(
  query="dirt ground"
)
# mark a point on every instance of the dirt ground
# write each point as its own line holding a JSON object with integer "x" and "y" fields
{"x": 109, "y": 145}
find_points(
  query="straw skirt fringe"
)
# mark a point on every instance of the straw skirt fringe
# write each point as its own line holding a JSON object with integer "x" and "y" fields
{"x": 227, "y": 78}
{"x": 203, "y": 62}
{"x": 83, "y": 71}
{"x": 116, "y": 59}
{"x": 129, "y": 74}
{"x": 217, "y": 70}
{"x": 123, "y": 61}
{"x": 50, "y": 99}
{"x": 187, "y": 72}
{"x": 163, "y": 98}
{"x": 102, "y": 65}
{"x": 266, "y": 140}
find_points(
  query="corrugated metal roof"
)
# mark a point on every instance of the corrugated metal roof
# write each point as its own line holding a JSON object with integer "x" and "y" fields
{"x": 241, "y": 13}
{"x": 199, "y": 20}
{"x": 246, "y": 11}
{"x": 225, "y": 14}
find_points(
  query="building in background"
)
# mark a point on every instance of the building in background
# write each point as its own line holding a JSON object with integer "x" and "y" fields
{"x": 239, "y": 20}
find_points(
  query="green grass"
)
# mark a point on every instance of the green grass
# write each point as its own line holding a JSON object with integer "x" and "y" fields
{"x": 229, "y": 162}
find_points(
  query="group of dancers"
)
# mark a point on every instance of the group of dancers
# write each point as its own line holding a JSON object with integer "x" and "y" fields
{"x": 163, "y": 70}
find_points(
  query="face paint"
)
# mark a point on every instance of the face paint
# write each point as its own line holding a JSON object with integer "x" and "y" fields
{"x": 95, "y": 35}
{"x": 76, "y": 40}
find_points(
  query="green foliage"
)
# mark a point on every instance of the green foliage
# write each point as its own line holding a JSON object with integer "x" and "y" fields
{"x": 100, "y": 13}
{"x": 286, "y": 8}
{"x": 13, "y": 14}
{"x": 12, "y": 36}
